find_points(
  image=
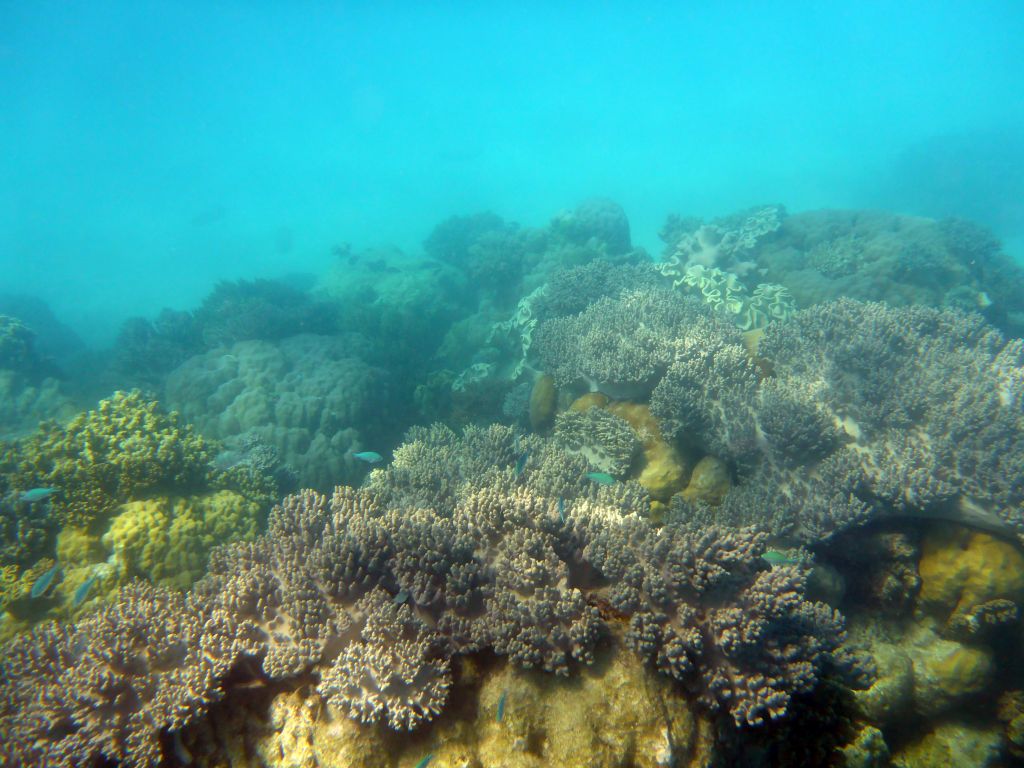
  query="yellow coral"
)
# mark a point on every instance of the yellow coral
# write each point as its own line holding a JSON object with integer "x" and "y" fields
{"x": 124, "y": 449}
{"x": 543, "y": 400}
{"x": 709, "y": 482}
{"x": 962, "y": 568}
{"x": 663, "y": 471}
{"x": 169, "y": 540}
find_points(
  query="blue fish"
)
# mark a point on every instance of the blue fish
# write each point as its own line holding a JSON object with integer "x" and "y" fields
{"x": 370, "y": 457}
{"x": 400, "y": 598}
{"x": 43, "y": 582}
{"x": 521, "y": 462}
{"x": 37, "y": 494}
{"x": 561, "y": 509}
{"x": 425, "y": 761}
{"x": 500, "y": 714}
{"x": 83, "y": 591}
{"x": 602, "y": 478}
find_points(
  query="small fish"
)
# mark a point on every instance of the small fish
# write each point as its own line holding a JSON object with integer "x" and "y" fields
{"x": 500, "y": 714}
{"x": 425, "y": 761}
{"x": 401, "y": 597}
{"x": 37, "y": 494}
{"x": 601, "y": 477}
{"x": 521, "y": 462}
{"x": 83, "y": 591}
{"x": 774, "y": 558}
{"x": 43, "y": 582}
{"x": 561, "y": 509}
{"x": 370, "y": 457}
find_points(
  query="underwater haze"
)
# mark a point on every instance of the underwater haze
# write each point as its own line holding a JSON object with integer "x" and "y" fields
{"x": 148, "y": 149}
{"x": 434, "y": 385}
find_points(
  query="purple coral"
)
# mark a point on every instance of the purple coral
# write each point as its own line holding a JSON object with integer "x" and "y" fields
{"x": 392, "y": 672}
{"x": 108, "y": 685}
{"x": 618, "y": 346}
{"x": 707, "y": 610}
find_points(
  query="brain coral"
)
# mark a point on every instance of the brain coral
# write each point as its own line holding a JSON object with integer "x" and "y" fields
{"x": 308, "y": 396}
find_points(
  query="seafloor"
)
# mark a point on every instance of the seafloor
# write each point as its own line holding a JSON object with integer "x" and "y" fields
{"x": 531, "y": 497}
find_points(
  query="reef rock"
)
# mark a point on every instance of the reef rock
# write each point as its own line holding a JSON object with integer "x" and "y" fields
{"x": 953, "y": 745}
{"x": 616, "y": 712}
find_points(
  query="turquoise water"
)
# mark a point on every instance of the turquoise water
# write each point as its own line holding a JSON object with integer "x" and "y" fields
{"x": 149, "y": 149}
{"x": 475, "y": 386}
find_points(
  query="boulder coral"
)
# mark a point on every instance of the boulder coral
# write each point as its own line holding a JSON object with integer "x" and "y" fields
{"x": 310, "y": 397}
{"x": 962, "y": 570}
{"x": 168, "y": 540}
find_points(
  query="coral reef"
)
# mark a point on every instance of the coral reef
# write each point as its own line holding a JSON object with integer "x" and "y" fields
{"x": 616, "y": 712}
{"x": 597, "y": 221}
{"x": 126, "y": 448}
{"x": 607, "y": 442}
{"x": 968, "y": 577}
{"x": 622, "y": 346}
{"x": 168, "y": 540}
{"x": 309, "y": 397}
{"x": 872, "y": 256}
{"x": 260, "y": 309}
{"x": 108, "y": 685}
{"x": 543, "y": 402}
{"x": 869, "y": 410}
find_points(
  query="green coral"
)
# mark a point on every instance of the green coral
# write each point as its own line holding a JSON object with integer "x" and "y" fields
{"x": 124, "y": 449}
{"x": 168, "y": 540}
{"x": 726, "y": 294}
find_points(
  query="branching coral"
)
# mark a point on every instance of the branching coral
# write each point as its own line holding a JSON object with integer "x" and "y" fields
{"x": 126, "y": 448}
{"x": 867, "y": 410}
{"x": 607, "y": 442}
{"x": 619, "y": 346}
{"x": 108, "y": 685}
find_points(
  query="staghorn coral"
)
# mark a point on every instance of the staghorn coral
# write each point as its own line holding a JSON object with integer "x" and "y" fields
{"x": 705, "y": 610}
{"x": 857, "y": 410}
{"x": 570, "y": 291}
{"x": 108, "y": 685}
{"x": 376, "y": 592}
{"x": 932, "y": 399}
{"x": 504, "y": 569}
{"x": 622, "y": 346}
